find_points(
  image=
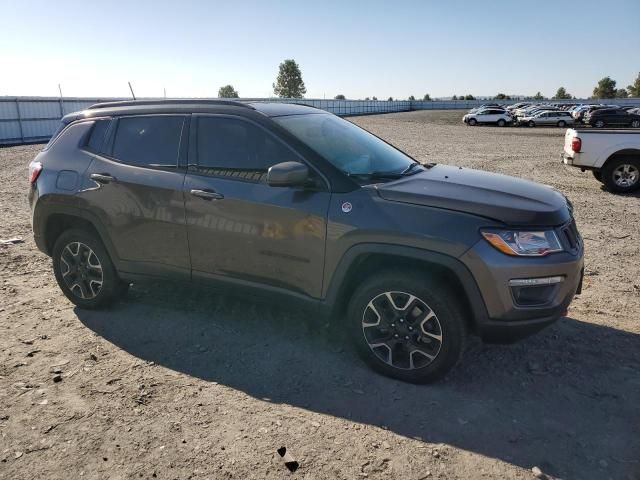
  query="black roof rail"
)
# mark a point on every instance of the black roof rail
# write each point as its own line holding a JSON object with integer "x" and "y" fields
{"x": 172, "y": 101}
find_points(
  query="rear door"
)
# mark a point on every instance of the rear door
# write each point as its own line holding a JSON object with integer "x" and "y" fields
{"x": 240, "y": 227}
{"x": 134, "y": 186}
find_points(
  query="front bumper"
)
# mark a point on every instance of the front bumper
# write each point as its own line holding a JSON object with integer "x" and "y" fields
{"x": 507, "y": 321}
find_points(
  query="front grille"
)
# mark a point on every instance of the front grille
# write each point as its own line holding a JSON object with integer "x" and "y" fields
{"x": 571, "y": 235}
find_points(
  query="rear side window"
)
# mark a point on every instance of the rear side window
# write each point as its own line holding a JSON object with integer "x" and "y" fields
{"x": 236, "y": 148}
{"x": 55, "y": 135}
{"x": 97, "y": 135}
{"x": 148, "y": 141}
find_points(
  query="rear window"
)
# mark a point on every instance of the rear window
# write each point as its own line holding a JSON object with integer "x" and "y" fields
{"x": 59, "y": 129}
{"x": 148, "y": 141}
{"x": 96, "y": 137}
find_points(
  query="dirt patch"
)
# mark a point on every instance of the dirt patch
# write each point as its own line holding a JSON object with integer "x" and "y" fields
{"x": 186, "y": 383}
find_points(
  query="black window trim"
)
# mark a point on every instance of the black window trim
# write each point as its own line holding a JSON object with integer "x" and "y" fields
{"x": 84, "y": 142}
{"x": 113, "y": 130}
{"x": 192, "y": 157}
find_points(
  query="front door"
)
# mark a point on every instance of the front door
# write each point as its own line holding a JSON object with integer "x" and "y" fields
{"x": 239, "y": 226}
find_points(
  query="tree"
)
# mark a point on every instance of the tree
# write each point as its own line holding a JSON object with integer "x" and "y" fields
{"x": 426, "y": 98}
{"x": 502, "y": 96}
{"x": 289, "y": 82}
{"x": 390, "y": 99}
{"x": 606, "y": 88}
{"x": 634, "y": 90}
{"x": 454, "y": 98}
{"x": 538, "y": 96}
{"x": 469, "y": 97}
{"x": 367, "y": 99}
{"x": 339, "y": 97}
{"x": 562, "y": 94}
{"x": 622, "y": 93}
{"x": 227, "y": 92}
{"x": 375, "y": 98}
{"x": 412, "y": 98}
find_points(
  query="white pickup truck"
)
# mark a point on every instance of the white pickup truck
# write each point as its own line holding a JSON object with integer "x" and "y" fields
{"x": 612, "y": 155}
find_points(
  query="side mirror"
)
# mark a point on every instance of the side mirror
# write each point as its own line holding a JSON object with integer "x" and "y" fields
{"x": 288, "y": 174}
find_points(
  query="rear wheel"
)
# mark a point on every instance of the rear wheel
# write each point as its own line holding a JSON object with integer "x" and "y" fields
{"x": 531, "y": 123}
{"x": 599, "y": 123}
{"x": 562, "y": 124}
{"x": 407, "y": 326}
{"x": 635, "y": 124}
{"x": 597, "y": 174}
{"x": 84, "y": 271}
{"x": 622, "y": 174}
{"x": 472, "y": 122}
{"x": 501, "y": 123}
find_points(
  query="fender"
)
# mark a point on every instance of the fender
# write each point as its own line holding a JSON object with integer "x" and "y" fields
{"x": 48, "y": 205}
{"x": 469, "y": 285}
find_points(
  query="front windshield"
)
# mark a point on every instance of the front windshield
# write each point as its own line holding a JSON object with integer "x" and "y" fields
{"x": 348, "y": 147}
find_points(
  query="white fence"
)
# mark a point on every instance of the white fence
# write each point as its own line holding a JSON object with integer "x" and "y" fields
{"x": 34, "y": 119}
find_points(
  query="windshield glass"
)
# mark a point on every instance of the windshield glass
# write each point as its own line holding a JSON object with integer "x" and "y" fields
{"x": 350, "y": 148}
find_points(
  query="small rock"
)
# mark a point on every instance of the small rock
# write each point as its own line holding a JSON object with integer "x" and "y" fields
{"x": 44, "y": 402}
{"x": 315, "y": 424}
{"x": 386, "y": 445}
{"x": 56, "y": 370}
{"x": 17, "y": 455}
{"x": 57, "y": 378}
{"x": 537, "y": 472}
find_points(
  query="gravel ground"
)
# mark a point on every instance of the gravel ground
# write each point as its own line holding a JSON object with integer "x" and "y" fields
{"x": 183, "y": 383}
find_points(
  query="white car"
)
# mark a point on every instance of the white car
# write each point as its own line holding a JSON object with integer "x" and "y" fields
{"x": 612, "y": 155}
{"x": 559, "y": 118}
{"x": 489, "y": 115}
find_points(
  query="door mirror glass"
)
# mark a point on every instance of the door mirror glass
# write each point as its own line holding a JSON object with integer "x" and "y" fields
{"x": 288, "y": 174}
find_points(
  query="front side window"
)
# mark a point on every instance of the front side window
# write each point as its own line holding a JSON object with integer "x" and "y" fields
{"x": 148, "y": 141}
{"x": 231, "y": 147}
{"x": 347, "y": 146}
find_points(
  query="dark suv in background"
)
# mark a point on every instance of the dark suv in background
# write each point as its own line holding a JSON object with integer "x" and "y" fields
{"x": 291, "y": 201}
{"x": 612, "y": 117}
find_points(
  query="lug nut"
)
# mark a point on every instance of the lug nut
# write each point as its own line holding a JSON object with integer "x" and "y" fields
{"x": 395, "y": 335}
{"x": 410, "y": 329}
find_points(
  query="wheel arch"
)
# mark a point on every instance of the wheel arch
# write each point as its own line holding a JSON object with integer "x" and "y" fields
{"x": 363, "y": 260}
{"x": 625, "y": 152}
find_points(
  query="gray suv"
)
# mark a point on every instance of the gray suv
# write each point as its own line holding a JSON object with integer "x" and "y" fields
{"x": 294, "y": 202}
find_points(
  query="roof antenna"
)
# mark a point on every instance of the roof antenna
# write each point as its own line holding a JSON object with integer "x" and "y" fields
{"x": 131, "y": 88}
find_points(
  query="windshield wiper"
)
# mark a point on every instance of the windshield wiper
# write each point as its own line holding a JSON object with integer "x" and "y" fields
{"x": 407, "y": 170}
{"x": 373, "y": 175}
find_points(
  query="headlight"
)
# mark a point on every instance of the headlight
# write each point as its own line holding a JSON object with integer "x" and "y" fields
{"x": 524, "y": 243}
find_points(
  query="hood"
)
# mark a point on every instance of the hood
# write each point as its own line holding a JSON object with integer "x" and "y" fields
{"x": 510, "y": 200}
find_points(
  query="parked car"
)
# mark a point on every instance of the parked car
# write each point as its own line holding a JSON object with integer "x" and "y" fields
{"x": 612, "y": 117}
{"x": 515, "y": 106}
{"x": 532, "y": 110}
{"x": 488, "y": 115}
{"x": 612, "y": 155}
{"x": 289, "y": 201}
{"x": 558, "y": 118}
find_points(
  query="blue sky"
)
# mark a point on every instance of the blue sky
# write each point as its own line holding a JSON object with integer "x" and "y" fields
{"x": 357, "y": 48}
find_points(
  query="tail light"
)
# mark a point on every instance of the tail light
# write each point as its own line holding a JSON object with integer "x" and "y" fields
{"x": 576, "y": 144}
{"x": 35, "y": 168}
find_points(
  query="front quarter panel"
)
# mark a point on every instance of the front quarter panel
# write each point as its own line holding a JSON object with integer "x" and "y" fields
{"x": 362, "y": 216}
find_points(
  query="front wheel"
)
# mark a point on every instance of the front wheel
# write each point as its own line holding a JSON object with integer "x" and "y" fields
{"x": 472, "y": 122}
{"x": 406, "y": 326}
{"x": 622, "y": 174}
{"x": 635, "y": 124}
{"x": 599, "y": 124}
{"x": 562, "y": 124}
{"x": 532, "y": 123}
{"x": 501, "y": 123}
{"x": 84, "y": 271}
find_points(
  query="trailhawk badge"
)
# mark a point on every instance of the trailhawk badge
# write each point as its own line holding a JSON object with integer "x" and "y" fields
{"x": 347, "y": 207}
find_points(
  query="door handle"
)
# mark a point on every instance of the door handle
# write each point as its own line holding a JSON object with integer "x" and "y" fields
{"x": 207, "y": 194}
{"x": 102, "y": 177}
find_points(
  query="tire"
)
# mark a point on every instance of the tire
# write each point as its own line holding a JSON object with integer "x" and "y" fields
{"x": 562, "y": 124}
{"x": 599, "y": 124}
{"x": 92, "y": 282}
{"x": 622, "y": 174}
{"x": 501, "y": 123}
{"x": 531, "y": 123}
{"x": 472, "y": 122}
{"x": 438, "y": 341}
{"x": 635, "y": 124}
{"x": 597, "y": 175}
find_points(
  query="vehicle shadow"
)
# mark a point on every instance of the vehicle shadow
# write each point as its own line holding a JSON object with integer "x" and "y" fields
{"x": 565, "y": 400}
